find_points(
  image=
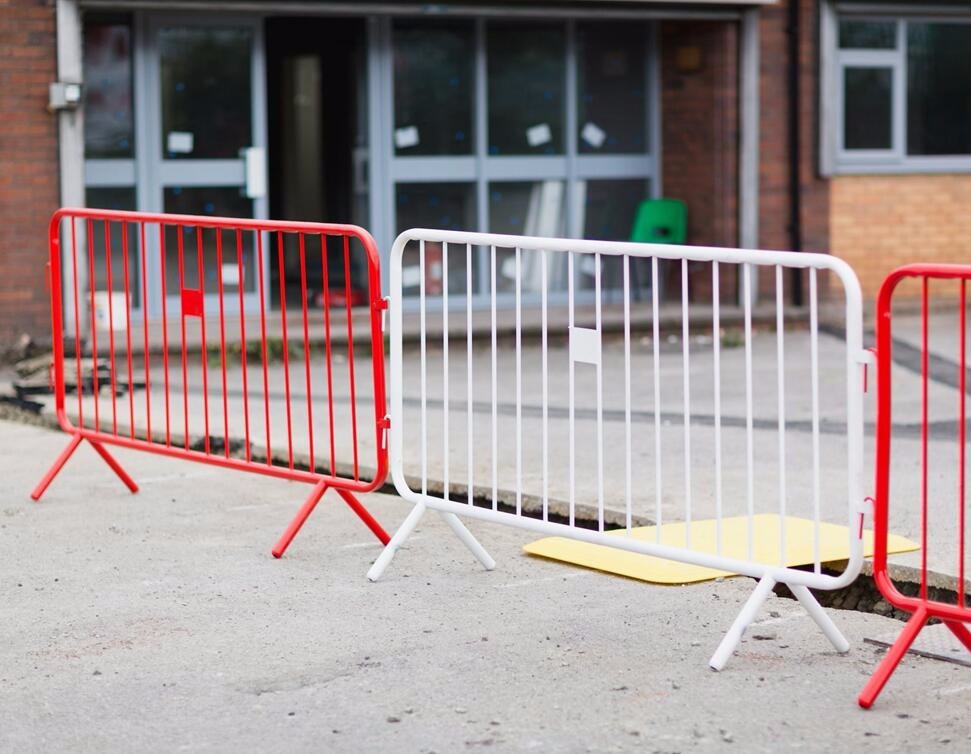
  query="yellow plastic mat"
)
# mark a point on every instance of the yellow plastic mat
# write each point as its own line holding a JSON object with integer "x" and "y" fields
{"x": 799, "y": 532}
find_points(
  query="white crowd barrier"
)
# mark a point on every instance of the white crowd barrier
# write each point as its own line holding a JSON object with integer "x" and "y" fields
{"x": 627, "y": 425}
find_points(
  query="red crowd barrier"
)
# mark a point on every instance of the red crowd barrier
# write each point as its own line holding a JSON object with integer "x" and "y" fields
{"x": 143, "y": 304}
{"x": 948, "y": 479}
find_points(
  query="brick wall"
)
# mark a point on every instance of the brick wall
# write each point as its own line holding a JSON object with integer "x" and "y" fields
{"x": 774, "y": 202}
{"x": 699, "y": 135}
{"x": 28, "y": 165}
{"x": 878, "y": 222}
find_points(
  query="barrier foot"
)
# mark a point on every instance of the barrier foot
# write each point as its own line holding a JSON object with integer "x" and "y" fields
{"x": 893, "y": 657}
{"x": 58, "y": 464}
{"x": 365, "y": 515}
{"x": 469, "y": 541}
{"x": 742, "y": 621}
{"x": 404, "y": 531}
{"x": 115, "y": 466}
{"x": 960, "y": 631}
{"x": 55, "y": 467}
{"x": 294, "y": 526}
{"x": 816, "y": 612}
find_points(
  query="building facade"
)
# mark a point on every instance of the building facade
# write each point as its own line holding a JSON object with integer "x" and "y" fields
{"x": 807, "y": 125}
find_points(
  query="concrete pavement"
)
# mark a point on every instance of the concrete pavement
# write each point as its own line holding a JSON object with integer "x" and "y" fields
{"x": 159, "y": 622}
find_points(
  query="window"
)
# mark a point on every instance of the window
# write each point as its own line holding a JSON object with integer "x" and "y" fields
{"x": 535, "y": 128}
{"x": 904, "y": 94}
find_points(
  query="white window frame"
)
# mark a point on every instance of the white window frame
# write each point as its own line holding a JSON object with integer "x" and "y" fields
{"x": 835, "y": 159}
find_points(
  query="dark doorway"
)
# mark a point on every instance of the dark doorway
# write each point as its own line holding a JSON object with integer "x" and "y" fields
{"x": 317, "y": 118}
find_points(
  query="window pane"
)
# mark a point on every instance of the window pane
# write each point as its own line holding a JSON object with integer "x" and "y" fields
{"x": 109, "y": 129}
{"x": 526, "y": 70}
{"x": 527, "y": 208}
{"x": 219, "y": 202}
{"x": 445, "y": 206}
{"x": 612, "y": 88}
{"x": 433, "y": 89}
{"x": 867, "y": 97}
{"x": 206, "y": 103}
{"x": 868, "y": 35}
{"x": 938, "y": 89}
{"x": 610, "y": 207}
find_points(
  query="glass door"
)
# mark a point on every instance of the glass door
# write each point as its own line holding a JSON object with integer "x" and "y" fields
{"x": 206, "y": 154}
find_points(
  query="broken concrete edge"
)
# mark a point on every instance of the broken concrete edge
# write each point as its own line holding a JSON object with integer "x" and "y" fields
{"x": 557, "y": 510}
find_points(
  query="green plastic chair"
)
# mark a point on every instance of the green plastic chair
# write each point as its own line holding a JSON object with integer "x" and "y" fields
{"x": 657, "y": 221}
{"x": 660, "y": 221}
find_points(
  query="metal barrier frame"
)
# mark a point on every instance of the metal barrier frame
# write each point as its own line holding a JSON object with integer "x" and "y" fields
{"x": 346, "y": 488}
{"x": 798, "y": 581}
{"x": 921, "y": 607}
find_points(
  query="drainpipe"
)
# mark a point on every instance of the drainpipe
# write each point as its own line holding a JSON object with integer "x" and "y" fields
{"x": 795, "y": 144}
{"x": 70, "y": 137}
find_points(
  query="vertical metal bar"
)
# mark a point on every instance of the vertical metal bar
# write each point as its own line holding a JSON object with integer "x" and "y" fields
{"x": 94, "y": 327}
{"x": 814, "y": 376}
{"x": 495, "y": 387}
{"x": 222, "y": 337}
{"x": 600, "y": 400}
{"x": 111, "y": 331}
{"x": 569, "y": 298}
{"x": 131, "y": 392}
{"x": 656, "y": 322}
{"x": 302, "y": 240}
{"x": 749, "y": 438}
{"x": 923, "y": 439}
{"x": 446, "y": 408}
{"x": 205, "y": 343}
{"x": 185, "y": 377}
{"x": 519, "y": 383}
{"x": 716, "y": 353}
{"x": 146, "y": 350}
{"x": 423, "y": 378}
{"x": 286, "y": 343}
{"x": 781, "y": 395}
{"x": 627, "y": 426}
{"x": 350, "y": 353}
{"x": 77, "y": 320}
{"x": 325, "y": 276}
{"x": 686, "y": 379}
{"x": 266, "y": 387}
{"x": 165, "y": 332}
{"x": 962, "y": 431}
{"x": 242, "y": 335}
{"x": 468, "y": 361}
{"x": 545, "y": 294}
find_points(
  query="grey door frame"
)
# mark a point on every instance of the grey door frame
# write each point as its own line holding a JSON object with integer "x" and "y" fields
{"x": 156, "y": 173}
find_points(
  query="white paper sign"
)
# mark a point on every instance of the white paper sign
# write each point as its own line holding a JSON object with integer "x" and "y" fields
{"x": 593, "y": 135}
{"x": 410, "y": 276}
{"x": 538, "y": 135}
{"x": 180, "y": 142}
{"x": 406, "y": 137}
{"x": 230, "y": 274}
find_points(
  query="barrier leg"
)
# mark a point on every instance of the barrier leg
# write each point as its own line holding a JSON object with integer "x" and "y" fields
{"x": 404, "y": 531}
{"x": 960, "y": 631}
{"x": 55, "y": 467}
{"x": 67, "y": 453}
{"x": 816, "y": 612}
{"x": 294, "y": 526}
{"x": 115, "y": 466}
{"x": 365, "y": 515}
{"x": 893, "y": 657}
{"x": 469, "y": 541}
{"x": 742, "y": 621}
